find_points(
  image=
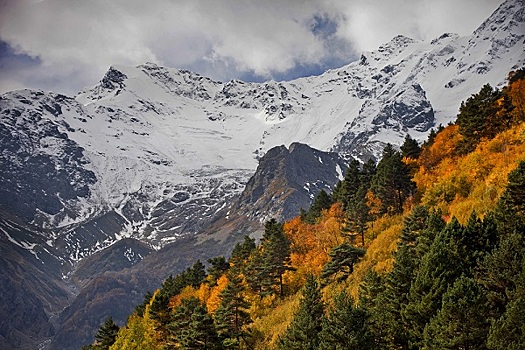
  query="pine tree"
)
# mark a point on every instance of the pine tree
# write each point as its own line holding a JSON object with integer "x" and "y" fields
{"x": 342, "y": 261}
{"x": 367, "y": 172}
{"x": 398, "y": 281}
{"x": 159, "y": 306}
{"x": 201, "y": 333}
{"x": 241, "y": 253}
{"x": 371, "y": 294}
{"x": 270, "y": 261}
{"x": 438, "y": 269}
{"x": 218, "y": 266}
{"x": 510, "y": 212}
{"x": 476, "y": 117}
{"x": 462, "y": 321}
{"x": 499, "y": 270}
{"x": 346, "y": 327}
{"x": 192, "y": 327}
{"x": 477, "y": 239}
{"x": 434, "y": 225}
{"x": 392, "y": 182}
{"x": 303, "y": 332}
{"x": 355, "y": 203}
{"x": 106, "y": 335}
{"x": 196, "y": 274}
{"x": 410, "y": 148}
{"x": 321, "y": 202}
{"x": 357, "y": 216}
{"x": 508, "y": 331}
{"x": 231, "y": 317}
{"x": 192, "y": 276}
{"x": 350, "y": 184}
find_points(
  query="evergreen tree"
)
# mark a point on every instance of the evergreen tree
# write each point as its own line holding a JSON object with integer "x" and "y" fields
{"x": 192, "y": 276}
{"x": 106, "y": 335}
{"x": 430, "y": 139}
{"x": 398, "y": 281}
{"x": 346, "y": 327}
{"x": 371, "y": 298}
{"x": 303, "y": 332}
{"x": 410, "y": 148}
{"x": 357, "y": 216}
{"x": 499, "y": 270}
{"x": 462, "y": 321}
{"x": 192, "y": 327}
{"x": 371, "y": 290}
{"x": 355, "y": 205}
{"x": 342, "y": 261}
{"x": 241, "y": 252}
{"x": 196, "y": 274}
{"x": 159, "y": 306}
{"x": 270, "y": 261}
{"x": 350, "y": 184}
{"x": 218, "y": 266}
{"x": 477, "y": 239}
{"x": 367, "y": 172}
{"x": 231, "y": 317}
{"x": 508, "y": 331}
{"x": 256, "y": 273}
{"x": 438, "y": 269}
{"x": 392, "y": 183}
{"x": 321, "y": 202}
{"x": 477, "y": 116}
{"x": 434, "y": 225}
{"x": 510, "y": 212}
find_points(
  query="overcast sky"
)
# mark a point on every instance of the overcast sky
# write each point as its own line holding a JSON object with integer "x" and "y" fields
{"x": 66, "y": 45}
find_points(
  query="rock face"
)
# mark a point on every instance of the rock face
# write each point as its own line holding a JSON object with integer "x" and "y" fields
{"x": 287, "y": 180}
{"x": 43, "y": 170}
{"x": 155, "y": 159}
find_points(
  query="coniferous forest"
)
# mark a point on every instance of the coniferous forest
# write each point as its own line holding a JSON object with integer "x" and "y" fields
{"x": 424, "y": 249}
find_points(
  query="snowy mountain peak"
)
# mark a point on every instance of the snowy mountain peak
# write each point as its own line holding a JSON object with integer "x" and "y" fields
{"x": 113, "y": 79}
{"x": 508, "y": 17}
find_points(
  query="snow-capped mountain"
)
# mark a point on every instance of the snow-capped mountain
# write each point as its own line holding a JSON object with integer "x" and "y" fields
{"x": 155, "y": 153}
{"x": 162, "y": 150}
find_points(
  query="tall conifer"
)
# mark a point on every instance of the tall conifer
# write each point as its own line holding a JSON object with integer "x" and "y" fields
{"x": 303, "y": 332}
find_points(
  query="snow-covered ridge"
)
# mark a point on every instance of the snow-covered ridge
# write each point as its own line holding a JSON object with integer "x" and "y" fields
{"x": 159, "y": 150}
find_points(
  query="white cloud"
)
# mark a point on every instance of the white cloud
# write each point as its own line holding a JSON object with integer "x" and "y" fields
{"x": 371, "y": 23}
{"x": 74, "y": 42}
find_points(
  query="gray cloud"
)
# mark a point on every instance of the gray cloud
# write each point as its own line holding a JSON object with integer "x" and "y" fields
{"x": 70, "y": 44}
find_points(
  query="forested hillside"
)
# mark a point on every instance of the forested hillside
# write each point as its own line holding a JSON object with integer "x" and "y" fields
{"x": 424, "y": 249}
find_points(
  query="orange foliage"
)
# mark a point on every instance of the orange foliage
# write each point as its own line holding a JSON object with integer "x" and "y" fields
{"x": 475, "y": 181}
{"x": 310, "y": 244}
{"x": 186, "y": 293}
{"x": 443, "y": 147}
{"x": 516, "y": 93}
{"x": 373, "y": 203}
{"x": 213, "y": 300}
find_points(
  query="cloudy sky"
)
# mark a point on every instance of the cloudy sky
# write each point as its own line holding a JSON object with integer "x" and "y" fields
{"x": 66, "y": 45}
